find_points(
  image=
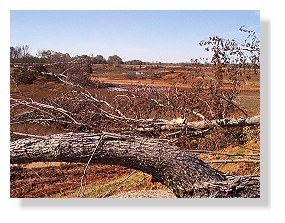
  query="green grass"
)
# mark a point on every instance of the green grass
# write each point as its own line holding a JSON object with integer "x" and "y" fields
{"x": 100, "y": 189}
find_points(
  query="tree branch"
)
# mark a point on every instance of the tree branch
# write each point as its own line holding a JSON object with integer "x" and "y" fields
{"x": 180, "y": 170}
{"x": 233, "y": 161}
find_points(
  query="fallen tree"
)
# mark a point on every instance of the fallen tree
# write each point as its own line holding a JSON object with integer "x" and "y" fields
{"x": 181, "y": 171}
{"x": 177, "y": 168}
{"x": 149, "y": 129}
{"x": 161, "y": 124}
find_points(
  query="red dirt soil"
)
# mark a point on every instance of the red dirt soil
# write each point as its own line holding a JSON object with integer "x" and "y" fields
{"x": 44, "y": 181}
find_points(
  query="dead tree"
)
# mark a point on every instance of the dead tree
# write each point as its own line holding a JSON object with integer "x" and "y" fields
{"x": 181, "y": 171}
{"x": 135, "y": 146}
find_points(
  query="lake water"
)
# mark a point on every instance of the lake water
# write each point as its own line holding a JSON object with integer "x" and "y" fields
{"x": 139, "y": 88}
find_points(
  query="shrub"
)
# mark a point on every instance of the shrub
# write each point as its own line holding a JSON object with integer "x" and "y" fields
{"x": 24, "y": 75}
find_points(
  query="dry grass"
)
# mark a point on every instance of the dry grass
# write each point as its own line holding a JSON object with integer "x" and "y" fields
{"x": 251, "y": 147}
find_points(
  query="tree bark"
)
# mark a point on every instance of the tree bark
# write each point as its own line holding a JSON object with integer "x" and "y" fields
{"x": 181, "y": 171}
{"x": 233, "y": 122}
{"x": 162, "y": 124}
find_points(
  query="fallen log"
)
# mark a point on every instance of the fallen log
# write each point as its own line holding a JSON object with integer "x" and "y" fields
{"x": 180, "y": 170}
{"x": 161, "y": 124}
{"x": 226, "y": 122}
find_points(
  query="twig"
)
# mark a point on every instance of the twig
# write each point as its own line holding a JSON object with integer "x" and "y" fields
{"x": 256, "y": 169}
{"x": 116, "y": 186}
{"x": 84, "y": 92}
{"x": 233, "y": 161}
{"x": 36, "y": 173}
{"x": 16, "y": 85}
{"x": 37, "y": 106}
{"x": 171, "y": 134}
{"x": 232, "y": 103}
{"x": 137, "y": 183}
{"x": 217, "y": 153}
{"x": 28, "y": 135}
{"x": 84, "y": 177}
{"x": 221, "y": 163}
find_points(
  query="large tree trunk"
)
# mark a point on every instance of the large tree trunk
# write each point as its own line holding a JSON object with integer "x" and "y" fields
{"x": 181, "y": 171}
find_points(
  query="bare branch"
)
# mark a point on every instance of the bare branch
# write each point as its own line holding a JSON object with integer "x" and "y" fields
{"x": 219, "y": 153}
{"x": 233, "y": 161}
{"x": 182, "y": 172}
{"x": 84, "y": 177}
{"x": 232, "y": 103}
{"x": 108, "y": 193}
{"x": 28, "y": 135}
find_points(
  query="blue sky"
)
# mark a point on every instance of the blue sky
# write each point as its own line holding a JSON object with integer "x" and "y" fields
{"x": 166, "y": 36}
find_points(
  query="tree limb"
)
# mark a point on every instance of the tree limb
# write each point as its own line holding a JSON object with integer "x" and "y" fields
{"x": 180, "y": 170}
{"x": 233, "y": 161}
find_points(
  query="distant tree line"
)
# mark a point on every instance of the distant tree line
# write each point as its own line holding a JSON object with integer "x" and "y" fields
{"x": 22, "y": 54}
